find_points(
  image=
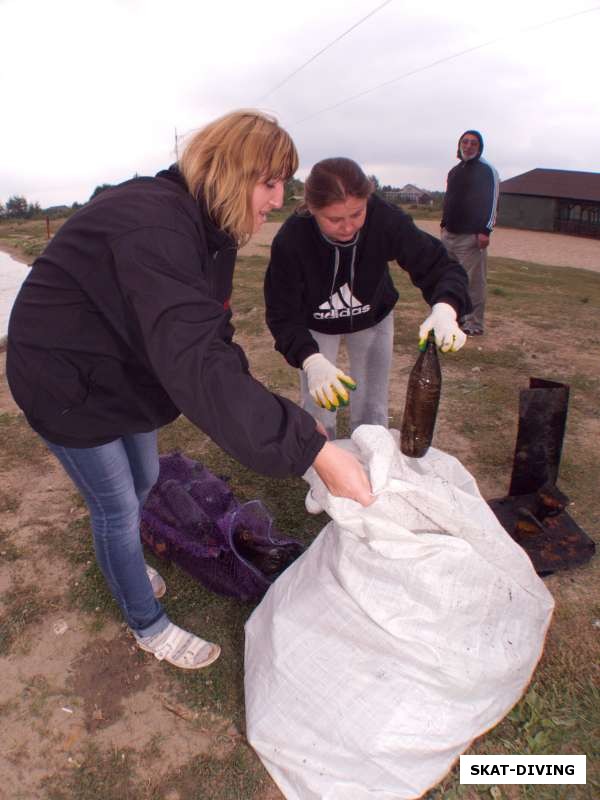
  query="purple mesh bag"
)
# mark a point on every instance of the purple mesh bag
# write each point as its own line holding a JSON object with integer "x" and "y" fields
{"x": 192, "y": 517}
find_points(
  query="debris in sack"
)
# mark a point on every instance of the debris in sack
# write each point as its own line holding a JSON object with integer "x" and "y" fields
{"x": 270, "y": 559}
{"x": 535, "y": 510}
{"x": 192, "y": 517}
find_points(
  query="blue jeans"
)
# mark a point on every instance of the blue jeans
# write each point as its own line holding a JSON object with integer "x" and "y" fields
{"x": 115, "y": 480}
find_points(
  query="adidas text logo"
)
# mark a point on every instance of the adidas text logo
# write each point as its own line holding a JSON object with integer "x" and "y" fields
{"x": 341, "y": 304}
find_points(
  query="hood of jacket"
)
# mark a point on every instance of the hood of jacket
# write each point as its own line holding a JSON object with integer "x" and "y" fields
{"x": 216, "y": 238}
{"x": 473, "y": 133}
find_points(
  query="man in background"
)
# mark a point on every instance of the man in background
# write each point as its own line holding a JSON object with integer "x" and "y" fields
{"x": 468, "y": 219}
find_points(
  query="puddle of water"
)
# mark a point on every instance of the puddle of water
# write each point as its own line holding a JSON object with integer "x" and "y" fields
{"x": 12, "y": 275}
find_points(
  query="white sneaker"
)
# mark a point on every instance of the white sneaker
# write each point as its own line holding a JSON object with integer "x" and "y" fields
{"x": 159, "y": 587}
{"x": 180, "y": 648}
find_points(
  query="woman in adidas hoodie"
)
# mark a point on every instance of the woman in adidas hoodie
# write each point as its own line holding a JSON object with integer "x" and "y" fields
{"x": 328, "y": 279}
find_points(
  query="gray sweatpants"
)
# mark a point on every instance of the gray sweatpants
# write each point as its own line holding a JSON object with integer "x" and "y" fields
{"x": 370, "y": 357}
{"x": 463, "y": 247}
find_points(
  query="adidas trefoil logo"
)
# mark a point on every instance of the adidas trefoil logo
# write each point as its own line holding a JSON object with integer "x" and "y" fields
{"x": 341, "y": 304}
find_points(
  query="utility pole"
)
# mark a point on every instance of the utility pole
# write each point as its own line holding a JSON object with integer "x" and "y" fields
{"x": 176, "y": 147}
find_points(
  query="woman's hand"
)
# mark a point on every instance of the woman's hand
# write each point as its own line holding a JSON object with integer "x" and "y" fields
{"x": 343, "y": 474}
{"x": 327, "y": 384}
{"x": 448, "y": 336}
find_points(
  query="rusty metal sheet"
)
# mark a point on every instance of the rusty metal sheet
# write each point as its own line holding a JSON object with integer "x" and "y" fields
{"x": 553, "y": 543}
{"x": 534, "y": 512}
{"x": 542, "y": 421}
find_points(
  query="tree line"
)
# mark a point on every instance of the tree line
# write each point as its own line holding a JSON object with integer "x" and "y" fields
{"x": 18, "y": 207}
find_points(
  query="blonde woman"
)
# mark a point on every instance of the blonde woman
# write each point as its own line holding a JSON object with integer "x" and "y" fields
{"x": 124, "y": 323}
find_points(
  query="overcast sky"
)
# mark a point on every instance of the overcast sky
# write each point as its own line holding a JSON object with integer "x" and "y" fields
{"x": 92, "y": 91}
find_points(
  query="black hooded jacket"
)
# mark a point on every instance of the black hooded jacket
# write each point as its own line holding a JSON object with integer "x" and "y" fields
{"x": 313, "y": 283}
{"x": 471, "y": 196}
{"x": 123, "y": 324}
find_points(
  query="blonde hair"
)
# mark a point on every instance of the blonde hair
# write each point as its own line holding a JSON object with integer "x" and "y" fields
{"x": 223, "y": 162}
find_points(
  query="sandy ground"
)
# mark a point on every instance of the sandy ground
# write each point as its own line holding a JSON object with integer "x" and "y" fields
{"x": 541, "y": 248}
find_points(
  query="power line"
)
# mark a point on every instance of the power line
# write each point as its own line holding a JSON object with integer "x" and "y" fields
{"x": 316, "y": 55}
{"x": 447, "y": 58}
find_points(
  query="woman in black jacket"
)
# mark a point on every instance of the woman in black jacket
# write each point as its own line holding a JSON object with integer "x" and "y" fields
{"x": 328, "y": 279}
{"x": 124, "y": 323}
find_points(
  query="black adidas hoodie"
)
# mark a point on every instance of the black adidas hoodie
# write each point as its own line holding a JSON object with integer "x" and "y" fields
{"x": 313, "y": 283}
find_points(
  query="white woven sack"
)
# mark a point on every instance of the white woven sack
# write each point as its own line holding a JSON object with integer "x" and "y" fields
{"x": 405, "y": 630}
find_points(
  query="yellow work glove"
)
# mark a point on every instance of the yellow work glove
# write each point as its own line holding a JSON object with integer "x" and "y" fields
{"x": 326, "y": 383}
{"x": 448, "y": 336}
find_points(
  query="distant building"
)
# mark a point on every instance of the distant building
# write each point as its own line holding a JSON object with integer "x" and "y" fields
{"x": 557, "y": 200}
{"x": 409, "y": 195}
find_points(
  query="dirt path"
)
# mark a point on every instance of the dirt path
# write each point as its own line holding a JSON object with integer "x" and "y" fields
{"x": 554, "y": 249}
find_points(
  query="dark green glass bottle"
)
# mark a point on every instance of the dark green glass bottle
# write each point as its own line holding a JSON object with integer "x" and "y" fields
{"x": 422, "y": 399}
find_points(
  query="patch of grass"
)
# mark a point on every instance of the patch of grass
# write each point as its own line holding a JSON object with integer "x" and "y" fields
{"x": 281, "y": 214}
{"x": 556, "y": 720}
{"x": 75, "y": 541}
{"x": 490, "y": 423}
{"x": 248, "y": 288}
{"x": 182, "y": 435}
{"x": 421, "y": 212}
{"x": 23, "y": 607}
{"x": 282, "y": 379}
{"x": 239, "y": 776}
{"x": 247, "y": 299}
{"x": 56, "y": 540}
{"x": 578, "y": 477}
{"x": 9, "y": 502}
{"x": 20, "y": 445}
{"x": 586, "y": 384}
{"x": 88, "y": 591}
{"x": 516, "y": 288}
{"x": 32, "y": 248}
{"x": 8, "y": 708}
{"x": 97, "y": 775}
{"x": 29, "y": 236}
{"x": 487, "y": 360}
{"x": 559, "y": 718}
{"x": 219, "y": 689}
{"x": 37, "y": 693}
{"x": 8, "y": 550}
